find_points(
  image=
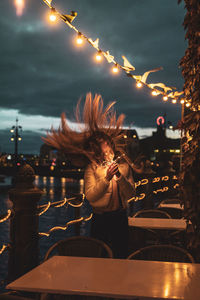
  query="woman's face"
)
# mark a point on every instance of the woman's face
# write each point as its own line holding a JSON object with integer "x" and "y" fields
{"x": 107, "y": 151}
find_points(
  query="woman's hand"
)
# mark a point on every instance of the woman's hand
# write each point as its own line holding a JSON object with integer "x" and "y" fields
{"x": 112, "y": 170}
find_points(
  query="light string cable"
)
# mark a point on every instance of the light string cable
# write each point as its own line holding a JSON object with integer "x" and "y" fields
{"x": 4, "y": 218}
{"x": 141, "y": 80}
{"x": 61, "y": 203}
{"x": 81, "y": 219}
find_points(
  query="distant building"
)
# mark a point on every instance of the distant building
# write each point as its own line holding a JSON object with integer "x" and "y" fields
{"x": 158, "y": 144}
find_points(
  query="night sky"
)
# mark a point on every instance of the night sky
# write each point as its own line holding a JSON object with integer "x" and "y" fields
{"x": 43, "y": 73}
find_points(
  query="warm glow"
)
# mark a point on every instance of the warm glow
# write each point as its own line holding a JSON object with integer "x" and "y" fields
{"x": 125, "y": 136}
{"x": 19, "y": 4}
{"x": 79, "y": 39}
{"x": 165, "y": 98}
{"x": 52, "y": 17}
{"x": 12, "y": 139}
{"x": 139, "y": 84}
{"x": 98, "y": 57}
{"x": 19, "y": 138}
{"x": 154, "y": 93}
{"x": 182, "y": 101}
{"x": 115, "y": 69}
{"x": 187, "y": 104}
{"x": 174, "y": 101}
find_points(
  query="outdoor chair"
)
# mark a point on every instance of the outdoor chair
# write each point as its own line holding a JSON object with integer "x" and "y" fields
{"x": 170, "y": 201}
{"x": 151, "y": 213}
{"x": 140, "y": 237}
{"x": 169, "y": 253}
{"x": 175, "y": 213}
{"x": 80, "y": 246}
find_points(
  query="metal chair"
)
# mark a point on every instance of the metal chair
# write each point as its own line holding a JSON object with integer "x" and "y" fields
{"x": 170, "y": 201}
{"x": 175, "y": 213}
{"x": 168, "y": 253}
{"x": 80, "y": 246}
{"x": 152, "y": 213}
{"x": 140, "y": 237}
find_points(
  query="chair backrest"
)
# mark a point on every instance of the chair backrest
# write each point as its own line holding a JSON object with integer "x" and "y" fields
{"x": 140, "y": 237}
{"x": 171, "y": 201}
{"x": 168, "y": 253}
{"x": 175, "y": 213}
{"x": 80, "y": 246}
{"x": 152, "y": 213}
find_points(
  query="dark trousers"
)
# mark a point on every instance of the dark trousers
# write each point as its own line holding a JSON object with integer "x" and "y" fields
{"x": 112, "y": 228}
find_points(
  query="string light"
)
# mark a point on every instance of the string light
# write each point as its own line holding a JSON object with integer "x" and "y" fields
{"x": 187, "y": 104}
{"x": 139, "y": 84}
{"x": 154, "y": 93}
{"x": 98, "y": 56}
{"x": 79, "y": 39}
{"x": 127, "y": 67}
{"x": 52, "y": 15}
{"x": 165, "y": 98}
{"x": 115, "y": 69}
{"x": 182, "y": 101}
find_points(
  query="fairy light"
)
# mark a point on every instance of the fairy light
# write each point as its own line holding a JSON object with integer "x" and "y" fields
{"x": 182, "y": 101}
{"x": 174, "y": 101}
{"x": 79, "y": 39}
{"x": 139, "y": 84}
{"x": 115, "y": 69}
{"x": 165, "y": 98}
{"x": 187, "y": 104}
{"x": 52, "y": 15}
{"x": 98, "y": 56}
{"x": 154, "y": 93}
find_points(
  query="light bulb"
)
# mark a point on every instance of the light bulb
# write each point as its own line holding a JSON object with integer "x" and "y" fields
{"x": 115, "y": 69}
{"x": 52, "y": 16}
{"x": 165, "y": 98}
{"x": 98, "y": 56}
{"x": 139, "y": 84}
{"x": 182, "y": 101}
{"x": 154, "y": 93}
{"x": 79, "y": 39}
{"x": 187, "y": 104}
{"x": 174, "y": 101}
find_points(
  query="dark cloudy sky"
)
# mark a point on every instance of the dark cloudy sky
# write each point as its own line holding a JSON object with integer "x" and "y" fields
{"x": 42, "y": 72}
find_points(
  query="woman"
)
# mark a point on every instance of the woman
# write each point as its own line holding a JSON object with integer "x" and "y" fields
{"x": 108, "y": 184}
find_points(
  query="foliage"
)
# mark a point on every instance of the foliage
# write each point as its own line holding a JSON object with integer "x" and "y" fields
{"x": 190, "y": 172}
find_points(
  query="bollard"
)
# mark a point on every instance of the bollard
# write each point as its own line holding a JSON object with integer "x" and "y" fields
{"x": 24, "y": 240}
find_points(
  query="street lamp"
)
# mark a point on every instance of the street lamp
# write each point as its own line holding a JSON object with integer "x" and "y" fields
{"x": 16, "y": 137}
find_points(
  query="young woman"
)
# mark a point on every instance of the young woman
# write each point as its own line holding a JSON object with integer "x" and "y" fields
{"x": 108, "y": 178}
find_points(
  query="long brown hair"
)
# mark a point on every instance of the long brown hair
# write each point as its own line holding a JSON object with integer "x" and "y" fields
{"x": 99, "y": 125}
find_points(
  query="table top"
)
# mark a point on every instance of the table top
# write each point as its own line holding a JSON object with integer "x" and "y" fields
{"x": 157, "y": 223}
{"x": 113, "y": 278}
{"x": 173, "y": 205}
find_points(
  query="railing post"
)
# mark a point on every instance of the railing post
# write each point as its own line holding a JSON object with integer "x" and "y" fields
{"x": 24, "y": 251}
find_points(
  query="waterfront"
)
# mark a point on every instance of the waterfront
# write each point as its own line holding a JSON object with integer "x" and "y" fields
{"x": 54, "y": 189}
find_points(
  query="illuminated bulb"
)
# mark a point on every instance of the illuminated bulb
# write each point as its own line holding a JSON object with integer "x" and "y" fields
{"x": 154, "y": 93}
{"x": 182, "y": 101}
{"x": 139, "y": 84}
{"x": 187, "y": 104}
{"x": 12, "y": 139}
{"x": 11, "y": 130}
{"x": 165, "y": 98}
{"x": 98, "y": 56}
{"x": 174, "y": 101}
{"x": 125, "y": 136}
{"x": 52, "y": 16}
{"x": 79, "y": 39}
{"x": 19, "y": 139}
{"x": 115, "y": 69}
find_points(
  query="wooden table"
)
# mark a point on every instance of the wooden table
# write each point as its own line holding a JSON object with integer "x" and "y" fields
{"x": 157, "y": 223}
{"x": 113, "y": 278}
{"x": 173, "y": 205}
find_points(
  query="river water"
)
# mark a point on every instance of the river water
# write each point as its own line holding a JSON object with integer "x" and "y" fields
{"x": 54, "y": 189}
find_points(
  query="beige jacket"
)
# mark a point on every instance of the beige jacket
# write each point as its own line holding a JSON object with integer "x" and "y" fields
{"x": 98, "y": 189}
